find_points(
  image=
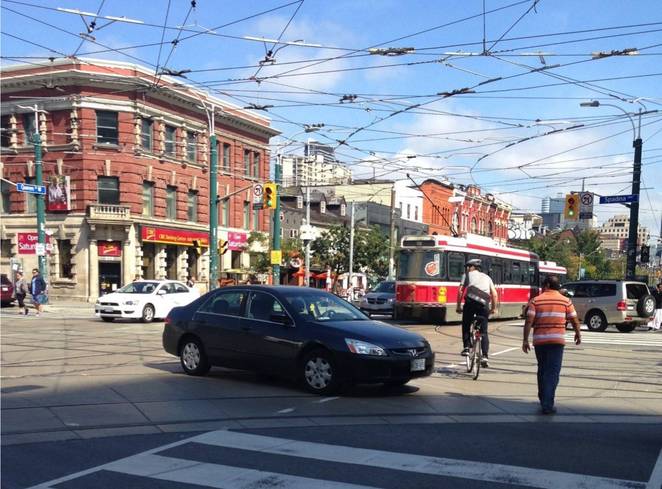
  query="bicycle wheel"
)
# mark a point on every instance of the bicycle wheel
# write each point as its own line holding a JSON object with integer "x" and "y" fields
{"x": 477, "y": 354}
{"x": 469, "y": 359}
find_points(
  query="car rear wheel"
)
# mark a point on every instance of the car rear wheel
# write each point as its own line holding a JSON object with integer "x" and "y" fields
{"x": 193, "y": 358}
{"x": 319, "y": 373}
{"x": 107, "y": 319}
{"x": 646, "y": 306}
{"x": 596, "y": 321}
{"x": 148, "y": 314}
{"x": 396, "y": 383}
{"x": 625, "y": 328}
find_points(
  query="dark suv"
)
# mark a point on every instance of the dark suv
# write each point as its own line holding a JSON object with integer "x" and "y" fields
{"x": 623, "y": 303}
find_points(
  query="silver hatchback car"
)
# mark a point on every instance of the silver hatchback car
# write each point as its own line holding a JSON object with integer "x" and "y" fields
{"x": 622, "y": 303}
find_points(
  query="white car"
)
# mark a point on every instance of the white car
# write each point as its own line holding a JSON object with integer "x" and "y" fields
{"x": 145, "y": 300}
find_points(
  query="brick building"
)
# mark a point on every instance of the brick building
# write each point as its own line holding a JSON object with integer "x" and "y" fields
{"x": 126, "y": 161}
{"x": 437, "y": 210}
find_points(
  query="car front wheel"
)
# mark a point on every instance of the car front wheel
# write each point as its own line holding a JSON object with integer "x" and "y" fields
{"x": 193, "y": 358}
{"x": 596, "y": 321}
{"x": 148, "y": 314}
{"x": 319, "y": 373}
{"x": 107, "y": 319}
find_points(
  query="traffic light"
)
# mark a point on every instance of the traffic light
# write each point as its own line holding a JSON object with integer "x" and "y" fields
{"x": 571, "y": 210}
{"x": 197, "y": 247}
{"x": 269, "y": 194}
{"x": 222, "y": 247}
{"x": 645, "y": 254}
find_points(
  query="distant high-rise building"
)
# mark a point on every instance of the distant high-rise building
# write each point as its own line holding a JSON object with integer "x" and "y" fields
{"x": 614, "y": 233}
{"x": 544, "y": 208}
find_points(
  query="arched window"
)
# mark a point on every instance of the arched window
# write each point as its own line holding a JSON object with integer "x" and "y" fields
{"x": 474, "y": 225}
{"x": 490, "y": 229}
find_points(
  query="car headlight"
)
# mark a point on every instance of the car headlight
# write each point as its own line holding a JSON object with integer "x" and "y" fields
{"x": 364, "y": 348}
{"x": 130, "y": 303}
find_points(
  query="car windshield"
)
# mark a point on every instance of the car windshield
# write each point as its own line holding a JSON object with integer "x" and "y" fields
{"x": 322, "y": 306}
{"x": 139, "y": 288}
{"x": 385, "y": 287}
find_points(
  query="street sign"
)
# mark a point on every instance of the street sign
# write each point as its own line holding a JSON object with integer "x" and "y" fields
{"x": 619, "y": 199}
{"x": 586, "y": 198}
{"x": 276, "y": 257}
{"x": 257, "y": 194}
{"x": 31, "y": 189}
{"x": 40, "y": 249}
{"x": 585, "y": 215}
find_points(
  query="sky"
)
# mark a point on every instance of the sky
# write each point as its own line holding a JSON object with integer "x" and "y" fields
{"x": 485, "y": 92}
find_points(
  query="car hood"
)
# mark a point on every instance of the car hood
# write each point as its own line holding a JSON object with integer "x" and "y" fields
{"x": 380, "y": 295}
{"x": 119, "y": 297}
{"x": 375, "y": 332}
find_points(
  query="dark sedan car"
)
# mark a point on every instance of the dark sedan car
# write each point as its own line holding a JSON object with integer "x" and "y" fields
{"x": 7, "y": 290}
{"x": 297, "y": 332}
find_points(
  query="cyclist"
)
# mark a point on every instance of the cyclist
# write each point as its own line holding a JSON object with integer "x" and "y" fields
{"x": 480, "y": 294}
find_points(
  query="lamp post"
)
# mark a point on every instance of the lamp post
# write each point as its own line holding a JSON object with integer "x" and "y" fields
{"x": 636, "y": 183}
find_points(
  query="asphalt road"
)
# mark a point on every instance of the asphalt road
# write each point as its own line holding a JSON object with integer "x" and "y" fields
{"x": 93, "y": 404}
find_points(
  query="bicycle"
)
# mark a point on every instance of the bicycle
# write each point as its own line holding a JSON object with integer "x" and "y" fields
{"x": 474, "y": 359}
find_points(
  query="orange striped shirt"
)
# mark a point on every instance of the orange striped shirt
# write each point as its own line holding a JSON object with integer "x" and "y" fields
{"x": 549, "y": 313}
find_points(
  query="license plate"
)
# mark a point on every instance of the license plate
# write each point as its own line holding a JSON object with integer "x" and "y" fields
{"x": 418, "y": 364}
{"x": 107, "y": 310}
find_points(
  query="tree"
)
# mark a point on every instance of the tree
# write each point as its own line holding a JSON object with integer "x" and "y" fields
{"x": 331, "y": 249}
{"x": 371, "y": 251}
{"x": 259, "y": 259}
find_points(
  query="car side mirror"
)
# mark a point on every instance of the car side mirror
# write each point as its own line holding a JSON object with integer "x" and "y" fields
{"x": 281, "y": 318}
{"x": 161, "y": 292}
{"x": 567, "y": 293}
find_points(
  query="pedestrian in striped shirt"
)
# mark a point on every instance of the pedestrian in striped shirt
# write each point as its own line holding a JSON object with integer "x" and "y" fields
{"x": 548, "y": 315}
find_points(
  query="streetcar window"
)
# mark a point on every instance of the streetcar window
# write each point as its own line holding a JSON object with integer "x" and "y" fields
{"x": 422, "y": 265}
{"x": 455, "y": 265}
{"x": 515, "y": 273}
{"x": 418, "y": 242}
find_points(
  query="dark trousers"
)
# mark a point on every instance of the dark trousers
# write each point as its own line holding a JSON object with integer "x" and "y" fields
{"x": 473, "y": 309}
{"x": 21, "y": 300}
{"x": 549, "y": 358}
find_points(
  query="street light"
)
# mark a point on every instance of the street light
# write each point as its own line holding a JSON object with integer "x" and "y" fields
{"x": 636, "y": 181}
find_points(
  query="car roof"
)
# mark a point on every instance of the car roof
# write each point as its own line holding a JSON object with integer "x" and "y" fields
{"x": 272, "y": 288}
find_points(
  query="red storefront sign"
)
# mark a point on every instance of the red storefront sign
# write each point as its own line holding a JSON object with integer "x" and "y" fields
{"x": 152, "y": 234}
{"x": 27, "y": 243}
{"x": 110, "y": 248}
{"x": 237, "y": 241}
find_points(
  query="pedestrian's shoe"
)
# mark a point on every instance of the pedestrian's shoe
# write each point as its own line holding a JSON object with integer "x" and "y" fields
{"x": 465, "y": 352}
{"x": 484, "y": 363}
{"x": 547, "y": 411}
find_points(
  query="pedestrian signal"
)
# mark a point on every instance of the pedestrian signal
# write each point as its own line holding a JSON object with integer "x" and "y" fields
{"x": 269, "y": 196}
{"x": 571, "y": 211}
{"x": 645, "y": 254}
{"x": 197, "y": 247}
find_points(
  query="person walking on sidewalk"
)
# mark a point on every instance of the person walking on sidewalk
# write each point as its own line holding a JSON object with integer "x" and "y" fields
{"x": 38, "y": 291}
{"x": 655, "y": 323}
{"x": 548, "y": 315}
{"x": 21, "y": 290}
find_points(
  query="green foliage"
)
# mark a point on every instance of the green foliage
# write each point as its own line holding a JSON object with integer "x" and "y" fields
{"x": 260, "y": 261}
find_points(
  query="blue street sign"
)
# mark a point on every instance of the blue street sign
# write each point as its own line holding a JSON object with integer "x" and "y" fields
{"x": 619, "y": 199}
{"x": 31, "y": 189}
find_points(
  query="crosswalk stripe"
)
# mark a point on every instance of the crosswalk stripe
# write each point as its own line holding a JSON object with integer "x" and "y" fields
{"x": 465, "y": 469}
{"x": 618, "y": 339}
{"x": 217, "y": 475}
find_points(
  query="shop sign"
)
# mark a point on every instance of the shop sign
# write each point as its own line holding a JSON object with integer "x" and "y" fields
{"x": 237, "y": 241}
{"x": 27, "y": 244}
{"x": 153, "y": 234}
{"x": 110, "y": 248}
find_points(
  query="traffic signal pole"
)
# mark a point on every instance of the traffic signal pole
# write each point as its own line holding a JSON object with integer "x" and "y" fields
{"x": 633, "y": 234}
{"x": 275, "y": 243}
{"x": 213, "y": 212}
{"x": 41, "y": 207}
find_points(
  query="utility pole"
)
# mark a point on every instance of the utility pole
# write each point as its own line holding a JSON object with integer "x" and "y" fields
{"x": 213, "y": 206}
{"x": 392, "y": 238}
{"x": 633, "y": 233}
{"x": 39, "y": 181}
{"x": 275, "y": 244}
{"x": 306, "y": 276}
{"x": 351, "y": 252}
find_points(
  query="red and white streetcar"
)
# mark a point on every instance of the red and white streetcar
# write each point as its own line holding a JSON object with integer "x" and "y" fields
{"x": 431, "y": 268}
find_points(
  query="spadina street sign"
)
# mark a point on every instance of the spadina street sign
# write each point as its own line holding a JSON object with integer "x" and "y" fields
{"x": 619, "y": 199}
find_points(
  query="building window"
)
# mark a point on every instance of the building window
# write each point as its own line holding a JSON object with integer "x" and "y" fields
{"x": 256, "y": 165}
{"x": 28, "y": 128}
{"x": 146, "y": 134}
{"x": 107, "y": 128}
{"x": 64, "y": 255}
{"x": 226, "y": 157}
{"x": 247, "y": 163}
{"x": 322, "y": 207}
{"x": 191, "y": 146}
{"x": 108, "y": 190}
{"x": 343, "y": 210}
{"x": 148, "y": 199}
{"x": 5, "y": 202}
{"x": 255, "y": 220}
{"x": 192, "y": 206}
{"x": 30, "y": 199}
{"x": 474, "y": 225}
{"x": 171, "y": 202}
{"x": 5, "y": 134}
{"x": 247, "y": 215}
{"x": 408, "y": 211}
{"x": 416, "y": 213}
{"x": 170, "y": 140}
{"x": 294, "y": 233}
{"x": 225, "y": 212}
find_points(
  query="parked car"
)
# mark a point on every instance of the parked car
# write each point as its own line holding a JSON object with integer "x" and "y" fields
{"x": 625, "y": 304}
{"x": 379, "y": 300}
{"x": 300, "y": 333}
{"x": 7, "y": 289}
{"x": 145, "y": 300}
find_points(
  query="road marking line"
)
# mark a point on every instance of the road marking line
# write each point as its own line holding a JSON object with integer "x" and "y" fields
{"x": 217, "y": 475}
{"x": 446, "y": 467}
{"x": 327, "y": 399}
{"x": 655, "y": 481}
{"x": 504, "y": 351}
